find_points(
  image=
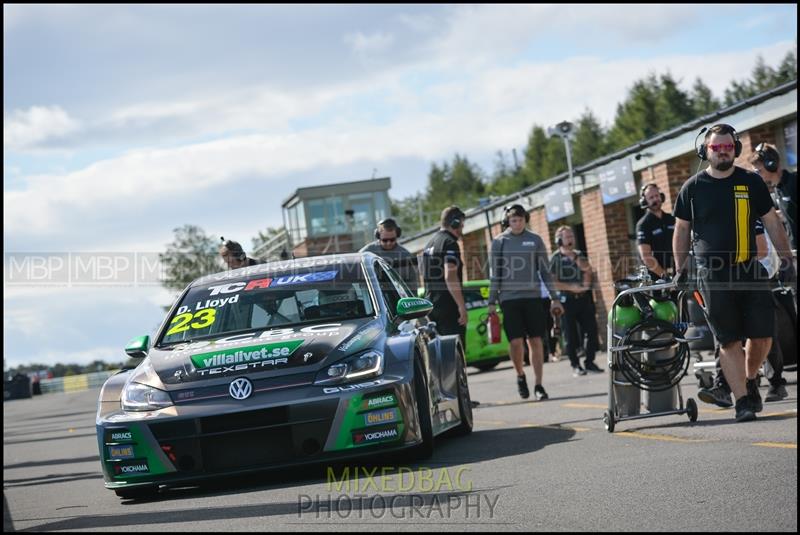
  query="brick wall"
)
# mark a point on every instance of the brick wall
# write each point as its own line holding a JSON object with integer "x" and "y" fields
{"x": 475, "y": 255}
{"x": 538, "y": 225}
{"x": 671, "y": 175}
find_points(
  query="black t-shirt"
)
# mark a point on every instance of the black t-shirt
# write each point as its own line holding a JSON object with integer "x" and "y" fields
{"x": 565, "y": 269}
{"x": 657, "y": 233}
{"x": 441, "y": 249}
{"x": 725, "y": 211}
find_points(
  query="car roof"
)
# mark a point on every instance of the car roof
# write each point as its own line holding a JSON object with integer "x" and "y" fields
{"x": 283, "y": 266}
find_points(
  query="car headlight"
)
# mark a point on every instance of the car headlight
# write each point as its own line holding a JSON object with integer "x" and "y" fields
{"x": 360, "y": 366}
{"x": 139, "y": 397}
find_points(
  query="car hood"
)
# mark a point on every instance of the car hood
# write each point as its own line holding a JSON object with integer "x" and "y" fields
{"x": 276, "y": 352}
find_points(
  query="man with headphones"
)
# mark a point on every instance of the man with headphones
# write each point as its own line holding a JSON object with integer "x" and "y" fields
{"x": 654, "y": 232}
{"x": 442, "y": 272}
{"x": 233, "y": 255}
{"x": 720, "y": 205}
{"x": 782, "y": 184}
{"x": 518, "y": 261}
{"x": 386, "y": 246}
{"x": 573, "y": 275}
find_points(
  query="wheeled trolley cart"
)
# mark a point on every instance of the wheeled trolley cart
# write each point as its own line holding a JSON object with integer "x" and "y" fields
{"x": 648, "y": 355}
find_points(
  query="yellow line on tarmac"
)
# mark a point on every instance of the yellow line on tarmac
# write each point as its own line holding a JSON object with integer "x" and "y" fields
{"x": 665, "y": 438}
{"x": 785, "y": 445}
{"x": 585, "y": 405}
{"x": 558, "y": 427}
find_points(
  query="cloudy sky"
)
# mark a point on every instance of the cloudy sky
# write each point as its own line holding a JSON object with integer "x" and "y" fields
{"x": 121, "y": 123}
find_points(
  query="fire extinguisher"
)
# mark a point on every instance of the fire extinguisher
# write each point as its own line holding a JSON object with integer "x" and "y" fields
{"x": 494, "y": 328}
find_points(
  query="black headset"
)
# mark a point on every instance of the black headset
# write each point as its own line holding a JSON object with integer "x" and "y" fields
{"x": 455, "y": 219}
{"x": 642, "y": 202}
{"x": 391, "y": 223}
{"x": 768, "y": 156}
{"x": 516, "y": 208}
{"x": 727, "y": 129}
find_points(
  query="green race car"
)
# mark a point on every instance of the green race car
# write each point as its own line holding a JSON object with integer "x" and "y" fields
{"x": 480, "y": 353}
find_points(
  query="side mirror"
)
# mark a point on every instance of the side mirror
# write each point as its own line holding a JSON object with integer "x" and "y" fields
{"x": 137, "y": 348}
{"x": 413, "y": 307}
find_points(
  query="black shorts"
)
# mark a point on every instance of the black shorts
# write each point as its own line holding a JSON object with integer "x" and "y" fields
{"x": 739, "y": 304}
{"x": 524, "y": 317}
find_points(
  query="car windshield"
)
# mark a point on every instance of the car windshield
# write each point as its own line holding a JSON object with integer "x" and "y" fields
{"x": 269, "y": 301}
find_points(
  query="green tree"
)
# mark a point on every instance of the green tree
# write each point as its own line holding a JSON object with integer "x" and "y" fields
{"x": 190, "y": 255}
{"x": 590, "y": 139}
{"x": 461, "y": 183}
{"x": 702, "y": 99}
{"x": 673, "y": 105}
{"x": 535, "y": 155}
{"x": 762, "y": 78}
{"x": 636, "y": 118}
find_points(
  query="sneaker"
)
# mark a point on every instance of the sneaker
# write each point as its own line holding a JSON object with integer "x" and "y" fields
{"x": 578, "y": 370}
{"x": 592, "y": 367}
{"x": 776, "y": 393}
{"x": 539, "y": 392}
{"x": 744, "y": 409}
{"x": 719, "y": 396}
{"x": 755, "y": 395}
{"x": 522, "y": 386}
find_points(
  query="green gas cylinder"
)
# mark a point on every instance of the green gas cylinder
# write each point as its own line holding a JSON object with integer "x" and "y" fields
{"x": 665, "y": 310}
{"x": 625, "y": 317}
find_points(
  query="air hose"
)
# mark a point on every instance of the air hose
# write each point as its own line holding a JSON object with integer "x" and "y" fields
{"x": 662, "y": 374}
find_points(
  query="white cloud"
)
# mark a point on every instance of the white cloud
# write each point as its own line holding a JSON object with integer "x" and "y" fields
{"x": 365, "y": 45}
{"x": 491, "y": 110}
{"x": 35, "y": 127}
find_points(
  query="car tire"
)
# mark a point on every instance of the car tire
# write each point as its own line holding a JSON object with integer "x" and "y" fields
{"x": 487, "y": 367}
{"x": 137, "y": 493}
{"x": 464, "y": 400}
{"x": 422, "y": 401}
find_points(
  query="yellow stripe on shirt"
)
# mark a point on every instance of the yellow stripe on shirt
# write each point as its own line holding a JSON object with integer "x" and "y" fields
{"x": 742, "y": 200}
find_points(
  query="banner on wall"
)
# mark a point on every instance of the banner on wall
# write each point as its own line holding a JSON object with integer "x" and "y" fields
{"x": 616, "y": 181}
{"x": 790, "y": 142}
{"x": 558, "y": 201}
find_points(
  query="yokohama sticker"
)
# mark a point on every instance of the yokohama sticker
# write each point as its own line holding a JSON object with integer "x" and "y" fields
{"x": 139, "y": 466}
{"x": 366, "y": 437}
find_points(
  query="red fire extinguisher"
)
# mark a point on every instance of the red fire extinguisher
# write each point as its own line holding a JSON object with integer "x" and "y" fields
{"x": 494, "y": 328}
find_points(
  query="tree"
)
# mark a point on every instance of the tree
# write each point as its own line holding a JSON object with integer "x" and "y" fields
{"x": 763, "y": 78}
{"x": 636, "y": 117}
{"x": 191, "y": 254}
{"x": 673, "y": 105}
{"x": 703, "y": 101}
{"x": 590, "y": 142}
{"x": 461, "y": 183}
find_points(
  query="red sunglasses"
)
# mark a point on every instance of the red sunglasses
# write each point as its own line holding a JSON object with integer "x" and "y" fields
{"x": 722, "y": 146}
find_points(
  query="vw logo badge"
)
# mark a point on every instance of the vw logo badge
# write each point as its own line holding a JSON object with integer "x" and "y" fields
{"x": 241, "y": 388}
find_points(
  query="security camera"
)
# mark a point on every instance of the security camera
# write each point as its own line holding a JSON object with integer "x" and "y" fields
{"x": 643, "y": 155}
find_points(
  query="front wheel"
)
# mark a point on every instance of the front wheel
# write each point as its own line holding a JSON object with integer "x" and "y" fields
{"x": 464, "y": 400}
{"x": 486, "y": 367}
{"x": 422, "y": 400}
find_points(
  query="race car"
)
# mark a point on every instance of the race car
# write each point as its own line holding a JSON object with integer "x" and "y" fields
{"x": 303, "y": 361}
